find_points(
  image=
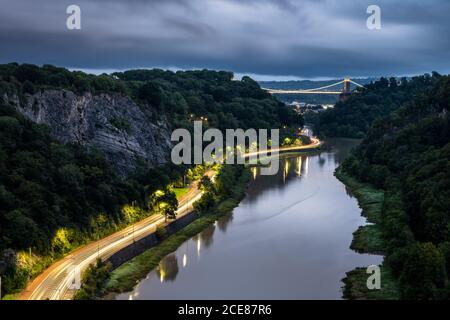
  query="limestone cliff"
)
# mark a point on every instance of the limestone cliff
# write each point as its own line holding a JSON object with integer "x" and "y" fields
{"x": 114, "y": 124}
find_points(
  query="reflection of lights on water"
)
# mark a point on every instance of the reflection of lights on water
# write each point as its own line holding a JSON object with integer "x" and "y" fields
{"x": 306, "y": 166}
{"x": 286, "y": 170}
{"x": 184, "y": 260}
{"x": 299, "y": 166}
{"x": 198, "y": 246}
{"x": 254, "y": 172}
{"x": 162, "y": 275}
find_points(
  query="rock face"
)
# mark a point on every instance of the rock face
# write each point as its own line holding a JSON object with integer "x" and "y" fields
{"x": 114, "y": 124}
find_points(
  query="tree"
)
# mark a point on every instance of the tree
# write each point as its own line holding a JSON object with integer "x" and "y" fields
{"x": 205, "y": 203}
{"x": 164, "y": 202}
{"x": 28, "y": 87}
{"x": 206, "y": 185}
{"x": 423, "y": 273}
{"x": 151, "y": 93}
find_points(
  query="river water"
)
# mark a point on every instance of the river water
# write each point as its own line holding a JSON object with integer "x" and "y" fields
{"x": 288, "y": 239}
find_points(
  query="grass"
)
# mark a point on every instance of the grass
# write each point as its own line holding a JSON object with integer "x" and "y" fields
{"x": 367, "y": 239}
{"x": 369, "y": 199}
{"x": 125, "y": 277}
{"x": 32, "y": 266}
{"x": 355, "y": 287}
{"x": 180, "y": 192}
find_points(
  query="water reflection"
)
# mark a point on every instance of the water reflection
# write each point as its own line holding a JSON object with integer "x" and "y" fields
{"x": 321, "y": 160}
{"x": 184, "y": 260}
{"x": 223, "y": 222}
{"x": 288, "y": 239}
{"x": 207, "y": 236}
{"x": 291, "y": 168}
{"x": 168, "y": 268}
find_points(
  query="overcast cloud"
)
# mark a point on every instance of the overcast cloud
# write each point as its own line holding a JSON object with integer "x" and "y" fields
{"x": 302, "y": 38}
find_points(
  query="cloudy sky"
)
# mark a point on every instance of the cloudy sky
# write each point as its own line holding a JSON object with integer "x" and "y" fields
{"x": 277, "y": 39}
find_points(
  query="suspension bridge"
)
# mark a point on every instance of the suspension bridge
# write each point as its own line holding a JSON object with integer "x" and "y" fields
{"x": 346, "y": 90}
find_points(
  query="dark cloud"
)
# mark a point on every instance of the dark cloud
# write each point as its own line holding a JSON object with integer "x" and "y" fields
{"x": 320, "y": 38}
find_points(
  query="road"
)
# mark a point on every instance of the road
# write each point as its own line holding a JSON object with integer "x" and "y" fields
{"x": 315, "y": 144}
{"x": 55, "y": 281}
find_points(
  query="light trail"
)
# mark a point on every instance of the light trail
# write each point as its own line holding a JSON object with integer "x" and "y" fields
{"x": 54, "y": 283}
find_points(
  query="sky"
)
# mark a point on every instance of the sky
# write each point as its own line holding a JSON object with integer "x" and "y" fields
{"x": 267, "y": 39}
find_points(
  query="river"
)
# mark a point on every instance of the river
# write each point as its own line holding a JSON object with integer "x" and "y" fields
{"x": 289, "y": 238}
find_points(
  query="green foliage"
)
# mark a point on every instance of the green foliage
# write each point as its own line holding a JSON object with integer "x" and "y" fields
{"x": 125, "y": 277}
{"x": 368, "y": 239}
{"x": 180, "y": 192}
{"x": 215, "y": 95}
{"x": 212, "y": 95}
{"x": 164, "y": 202}
{"x": 28, "y": 87}
{"x": 93, "y": 280}
{"x": 206, "y": 185}
{"x": 355, "y": 286}
{"x": 161, "y": 232}
{"x": 34, "y": 78}
{"x": 55, "y": 197}
{"x": 45, "y": 186}
{"x": 423, "y": 274}
{"x": 121, "y": 124}
{"x": 408, "y": 155}
{"x": 354, "y": 117}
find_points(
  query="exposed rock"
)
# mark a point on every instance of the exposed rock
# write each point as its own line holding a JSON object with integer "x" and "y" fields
{"x": 113, "y": 124}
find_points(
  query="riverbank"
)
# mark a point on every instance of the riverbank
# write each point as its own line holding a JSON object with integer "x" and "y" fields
{"x": 125, "y": 277}
{"x": 367, "y": 239}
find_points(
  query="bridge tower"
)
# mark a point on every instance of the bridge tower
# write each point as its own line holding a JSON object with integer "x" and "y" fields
{"x": 346, "y": 91}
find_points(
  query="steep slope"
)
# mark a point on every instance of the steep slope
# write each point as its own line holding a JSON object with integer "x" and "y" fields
{"x": 408, "y": 155}
{"x": 353, "y": 118}
{"x": 113, "y": 123}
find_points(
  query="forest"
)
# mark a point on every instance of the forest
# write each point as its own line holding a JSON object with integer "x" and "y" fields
{"x": 407, "y": 154}
{"x": 182, "y": 95}
{"x": 354, "y": 117}
{"x": 55, "y": 197}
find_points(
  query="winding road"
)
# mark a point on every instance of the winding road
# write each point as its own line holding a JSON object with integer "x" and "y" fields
{"x": 55, "y": 282}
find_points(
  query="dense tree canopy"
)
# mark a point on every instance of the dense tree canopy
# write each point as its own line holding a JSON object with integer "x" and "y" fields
{"x": 54, "y": 196}
{"x": 408, "y": 154}
{"x": 183, "y": 96}
{"x": 354, "y": 117}
{"x": 45, "y": 185}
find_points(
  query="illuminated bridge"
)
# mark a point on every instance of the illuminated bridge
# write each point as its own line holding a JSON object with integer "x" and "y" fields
{"x": 322, "y": 90}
